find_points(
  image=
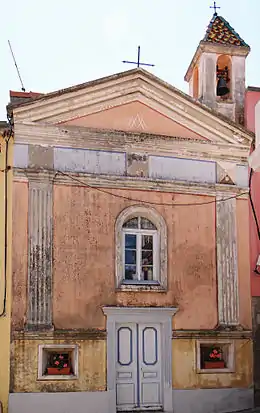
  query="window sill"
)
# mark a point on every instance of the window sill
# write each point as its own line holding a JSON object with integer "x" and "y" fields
{"x": 215, "y": 371}
{"x": 58, "y": 377}
{"x": 155, "y": 286}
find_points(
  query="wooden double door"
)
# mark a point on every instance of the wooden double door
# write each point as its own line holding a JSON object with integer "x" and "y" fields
{"x": 138, "y": 366}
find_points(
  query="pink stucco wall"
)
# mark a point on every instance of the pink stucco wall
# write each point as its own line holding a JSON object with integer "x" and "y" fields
{"x": 134, "y": 117}
{"x": 251, "y": 99}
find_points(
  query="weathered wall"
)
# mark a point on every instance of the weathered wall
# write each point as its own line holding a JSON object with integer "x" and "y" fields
{"x": 243, "y": 256}
{"x": 92, "y": 367}
{"x": 86, "y": 282}
{"x": 186, "y": 377}
{"x": 19, "y": 255}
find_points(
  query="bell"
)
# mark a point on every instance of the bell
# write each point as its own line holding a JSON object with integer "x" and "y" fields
{"x": 222, "y": 88}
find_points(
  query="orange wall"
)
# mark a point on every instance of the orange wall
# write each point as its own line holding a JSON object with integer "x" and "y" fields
{"x": 254, "y": 240}
{"x": 251, "y": 99}
{"x": 19, "y": 253}
{"x": 243, "y": 255}
{"x": 134, "y": 117}
{"x": 84, "y": 258}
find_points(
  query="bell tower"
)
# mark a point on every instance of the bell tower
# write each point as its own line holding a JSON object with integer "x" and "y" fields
{"x": 216, "y": 74}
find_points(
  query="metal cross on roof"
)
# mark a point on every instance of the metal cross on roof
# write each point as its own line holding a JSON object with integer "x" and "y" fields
{"x": 138, "y": 63}
{"x": 215, "y": 7}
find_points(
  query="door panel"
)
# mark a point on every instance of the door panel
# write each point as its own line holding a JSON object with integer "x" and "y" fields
{"x": 138, "y": 367}
{"x": 126, "y": 371}
{"x": 150, "y": 366}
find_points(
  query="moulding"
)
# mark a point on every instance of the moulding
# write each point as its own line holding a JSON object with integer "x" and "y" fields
{"x": 127, "y": 313}
{"x": 161, "y": 248}
{"x": 124, "y": 182}
{"x": 230, "y": 359}
{"x": 42, "y": 361}
{"x": 91, "y": 334}
{"x": 142, "y": 315}
{"x": 211, "y": 334}
{"x": 91, "y": 138}
{"x": 134, "y": 85}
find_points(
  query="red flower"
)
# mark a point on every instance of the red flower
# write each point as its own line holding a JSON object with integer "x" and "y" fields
{"x": 61, "y": 357}
{"x": 65, "y": 365}
{"x": 57, "y": 363}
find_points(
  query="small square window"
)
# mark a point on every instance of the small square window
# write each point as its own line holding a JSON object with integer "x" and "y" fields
{"x": 215, "y": 356}
{"x": 57, "y": 362}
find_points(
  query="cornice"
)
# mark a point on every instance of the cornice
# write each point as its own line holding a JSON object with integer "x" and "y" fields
{"x": 88, "y": 334}
{"x": 126, "y": 183}
{"x": 96, "y": 334}
{"x": 211, "y": 334}
{"x": 120, "y": 141}
{"x": 207, "y": 47}
{"x": 136, "y": 86}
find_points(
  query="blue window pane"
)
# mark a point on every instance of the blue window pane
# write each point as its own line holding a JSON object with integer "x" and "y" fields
{"x": 130, "y": 241}
{"x": 130, "y": 272}
{"x": 130, "y": 256}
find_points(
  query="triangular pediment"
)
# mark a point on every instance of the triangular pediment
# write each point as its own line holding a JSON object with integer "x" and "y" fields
{"x": 134, "y": 101}
{"x": 134, "y": 117}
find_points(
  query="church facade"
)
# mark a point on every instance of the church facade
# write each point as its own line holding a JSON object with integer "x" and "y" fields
{"x": 131, "y": 274}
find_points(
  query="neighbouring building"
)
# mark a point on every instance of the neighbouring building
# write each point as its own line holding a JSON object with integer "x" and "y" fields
{"x": 5, "y": 260}
{"x": 252, "y": 118}
{"x": 131, "y": 262}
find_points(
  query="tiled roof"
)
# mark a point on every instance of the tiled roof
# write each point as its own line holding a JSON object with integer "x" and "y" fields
{"x": 220, "y": 31}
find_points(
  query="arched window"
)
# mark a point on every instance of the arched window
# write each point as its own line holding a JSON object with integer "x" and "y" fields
{"x": 141, "y": 248}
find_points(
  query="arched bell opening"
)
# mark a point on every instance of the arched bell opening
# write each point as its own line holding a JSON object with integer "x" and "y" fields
{"x": 223, "y": 81}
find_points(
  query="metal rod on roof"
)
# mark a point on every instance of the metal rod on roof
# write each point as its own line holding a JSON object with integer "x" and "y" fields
{"x": 18, "y": 72}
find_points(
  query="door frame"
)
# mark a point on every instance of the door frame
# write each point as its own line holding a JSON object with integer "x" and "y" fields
{"x": 156, "y": 315}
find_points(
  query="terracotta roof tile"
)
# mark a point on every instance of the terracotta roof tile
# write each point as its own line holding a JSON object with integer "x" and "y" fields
{"x": 219, "y": 31}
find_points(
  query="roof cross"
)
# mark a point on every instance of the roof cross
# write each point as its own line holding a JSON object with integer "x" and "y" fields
{"x": 138, "y": 63}
{"x": 215, "y": 7}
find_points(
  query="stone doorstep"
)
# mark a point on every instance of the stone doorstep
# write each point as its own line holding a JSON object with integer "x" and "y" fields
{"x": 254, "y": 410}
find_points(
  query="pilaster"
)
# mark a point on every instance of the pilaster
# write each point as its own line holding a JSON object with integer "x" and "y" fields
{"x": 227, "y": 271}
{"x": 39, "y": 312}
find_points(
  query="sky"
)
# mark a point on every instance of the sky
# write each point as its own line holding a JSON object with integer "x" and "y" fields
{"x": 61, "y": 43}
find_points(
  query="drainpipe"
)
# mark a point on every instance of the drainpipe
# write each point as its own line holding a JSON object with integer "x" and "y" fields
{"x": 8, "y": 133}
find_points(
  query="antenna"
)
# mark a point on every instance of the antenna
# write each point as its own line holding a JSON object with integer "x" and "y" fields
{"x": 18, "y": 72}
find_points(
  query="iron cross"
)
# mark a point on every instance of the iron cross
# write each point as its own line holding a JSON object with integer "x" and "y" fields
{"x": 215, "y": 7}
{"x": 138, "y": 63}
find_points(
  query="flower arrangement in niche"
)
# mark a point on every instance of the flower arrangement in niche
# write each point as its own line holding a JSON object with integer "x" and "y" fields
{"x": 59, "y": 363}
{"x": 216, "y": 354}
{"x": 213, "y": 358}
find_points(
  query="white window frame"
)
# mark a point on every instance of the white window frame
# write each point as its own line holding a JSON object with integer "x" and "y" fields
{"x": 44, "y": 349}
{"x": 159, "y": 281}
{"x": 230, "y": 362}
{"x": 139, "y": 233}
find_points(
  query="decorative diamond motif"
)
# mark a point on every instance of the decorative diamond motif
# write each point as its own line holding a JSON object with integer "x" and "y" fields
{"x": 137, "y": 122}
